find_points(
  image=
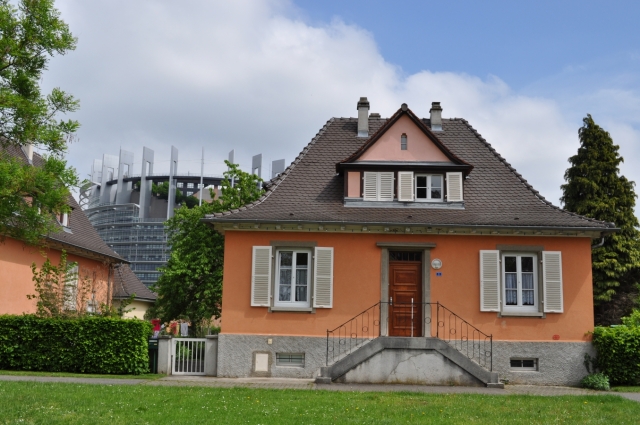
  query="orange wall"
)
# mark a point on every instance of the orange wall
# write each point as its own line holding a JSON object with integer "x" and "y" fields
{"x": 353, "y": 184}
{"x": 16, "y": 276}
{"x": 357, "y": 284}
{"x": 419, "y": 146}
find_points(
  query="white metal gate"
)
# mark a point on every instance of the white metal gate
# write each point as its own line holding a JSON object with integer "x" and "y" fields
{"x": 188, "y": 356}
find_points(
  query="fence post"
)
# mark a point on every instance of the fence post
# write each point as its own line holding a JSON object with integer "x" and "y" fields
{"x": 164, "y": 354}
{"x": 211, "y": 355}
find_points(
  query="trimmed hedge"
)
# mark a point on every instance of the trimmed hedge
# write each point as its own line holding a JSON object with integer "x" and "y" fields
{"x": 81, "y": 345}
{"x": 618, "y": 353}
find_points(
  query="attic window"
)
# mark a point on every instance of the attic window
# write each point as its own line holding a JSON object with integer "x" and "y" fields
{"x": 403, "y": 142}
{"x": 63, "y": 218}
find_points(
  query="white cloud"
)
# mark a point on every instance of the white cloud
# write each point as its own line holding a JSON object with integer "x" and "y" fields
{"x": 253, "y": 76}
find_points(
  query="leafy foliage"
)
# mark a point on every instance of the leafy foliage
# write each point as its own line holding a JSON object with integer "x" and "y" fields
{"x": 191, "y": 282}
{"x": 162, "y": 192}
{"x": 31, "y": 196}
{"x": 596, "y": 189}
{"x": 596, "y": 381}
{"x": 31, "y": 34}
{"x": 84, "y": 345}
{"x": 619, "y": 351}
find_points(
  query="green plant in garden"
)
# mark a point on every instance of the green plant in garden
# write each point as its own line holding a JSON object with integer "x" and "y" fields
{"x": 191, "y": 282}
{"x": 79, "y": 345}
{"x": 619, "y": 351}
{"x": 596, "y": 189}
{"x": 596, "y": 381}
{"x": 31, "y": 33}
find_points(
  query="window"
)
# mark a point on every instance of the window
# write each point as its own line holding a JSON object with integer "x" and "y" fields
{"x": 403, "y": 142}
{"x": 180, "y": 184}
{"x": 63, "y": 218}
{"x": 293, "y": 275}
{"x": 290, "y": 359}
{"x": 520, "y": 282}
{"x": 189, "y": 192}
{"x": 378, "y": 186}
{"x": 428, "y": 187}
{"x": 524, "y": 364}
{"x": 509, "y": 282}
{"x": 189, "y": 185}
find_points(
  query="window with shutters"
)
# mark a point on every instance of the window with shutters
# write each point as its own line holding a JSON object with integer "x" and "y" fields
{"x": 428, "y": 187}
{"x": 519, "y": 282}
{"x": 378, "y": 186}
{"x": 293, "y": 277}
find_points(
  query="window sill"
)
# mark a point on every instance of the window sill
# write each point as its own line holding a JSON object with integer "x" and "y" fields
{"x": 292, "y": 309}
{"x": 521, "y": 314}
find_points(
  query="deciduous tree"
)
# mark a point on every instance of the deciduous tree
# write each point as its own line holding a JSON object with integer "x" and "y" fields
{"x": 30, "y": 34}
{"x": 191, "y": 282}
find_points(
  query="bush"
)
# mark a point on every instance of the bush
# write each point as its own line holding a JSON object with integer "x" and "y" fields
{"x": 80, "y": 345}
{"x": 618, "y": 353}
{"x": 596, "y": 381}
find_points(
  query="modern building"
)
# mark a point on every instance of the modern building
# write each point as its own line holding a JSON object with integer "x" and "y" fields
{"x": 128, "y": 216}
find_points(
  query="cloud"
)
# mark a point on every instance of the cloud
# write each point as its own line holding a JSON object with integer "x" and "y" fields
{"x": 255, "y": 77}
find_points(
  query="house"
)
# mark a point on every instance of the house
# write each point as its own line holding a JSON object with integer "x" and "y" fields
{"x": 94, "y": 262}
{"x": 126, "y": 285}
{"x": 404, "y": 249}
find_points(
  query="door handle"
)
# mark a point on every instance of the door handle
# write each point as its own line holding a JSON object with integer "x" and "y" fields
{"x": 390, "y": 300}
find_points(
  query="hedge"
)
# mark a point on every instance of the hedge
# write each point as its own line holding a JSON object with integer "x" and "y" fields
{"x": 618, "y": 353}
{"x": 81, "y": 345}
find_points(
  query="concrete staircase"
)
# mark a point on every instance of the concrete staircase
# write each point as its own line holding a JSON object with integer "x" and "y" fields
{"x": 428, "y": 361}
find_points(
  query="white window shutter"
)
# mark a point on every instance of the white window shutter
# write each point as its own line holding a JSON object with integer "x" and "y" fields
{"x": 370, "y": 186}
{"x": 454, "y": 187}
{"x": 323, "y": 278}
{"x": 552, "y": 281}
{"x": 489, "y": 280}
{"x": 405, "y": 186}
{"x": 385, "y": 192}
{"x": 261, "y": 276}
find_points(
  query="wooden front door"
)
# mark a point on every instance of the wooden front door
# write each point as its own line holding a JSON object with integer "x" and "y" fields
{"x": 405, "y": 286}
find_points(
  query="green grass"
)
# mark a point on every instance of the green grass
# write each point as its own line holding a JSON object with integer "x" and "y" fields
{"x": 78, "y": 375}
{"x": 626, "y": 389}
{"x": 53, "y": 403}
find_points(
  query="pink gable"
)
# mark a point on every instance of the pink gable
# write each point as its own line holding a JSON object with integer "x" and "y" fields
{"x": 419, "y": 146}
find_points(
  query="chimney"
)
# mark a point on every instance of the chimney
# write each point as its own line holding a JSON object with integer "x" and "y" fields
{"x": 363, "y": 117}
{"x": 436, "y": 116}
{"x": 28, "y": 151}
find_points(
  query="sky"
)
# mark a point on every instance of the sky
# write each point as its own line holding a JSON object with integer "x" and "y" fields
{"x": 263, "y": 76}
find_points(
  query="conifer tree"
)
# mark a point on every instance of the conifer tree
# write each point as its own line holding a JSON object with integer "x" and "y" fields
{"x": 596, "y": 189}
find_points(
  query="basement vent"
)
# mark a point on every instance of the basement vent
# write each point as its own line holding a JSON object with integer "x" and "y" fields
{"x": 290, "y": 359}
{"x": 524, "y": 364}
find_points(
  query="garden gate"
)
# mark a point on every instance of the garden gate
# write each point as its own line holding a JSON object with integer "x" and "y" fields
{"x": 188, "y": 356}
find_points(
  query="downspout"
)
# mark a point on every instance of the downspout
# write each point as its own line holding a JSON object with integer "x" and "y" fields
{"x": 598, "y": 245}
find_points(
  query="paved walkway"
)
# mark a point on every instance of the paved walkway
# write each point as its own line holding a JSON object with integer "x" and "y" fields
{"x": 308, "y": 384}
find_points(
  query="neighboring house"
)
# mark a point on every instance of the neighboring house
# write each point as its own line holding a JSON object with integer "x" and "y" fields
{"x": 94, "y": 260}
{"x": 408, "y": 228}
{"x": 126, "y": 284}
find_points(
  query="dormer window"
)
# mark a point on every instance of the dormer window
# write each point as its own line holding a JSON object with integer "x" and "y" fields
{"x": 403, "y": 142}
{"x": 63, "y": 218}
{"x": 428, "y": 187}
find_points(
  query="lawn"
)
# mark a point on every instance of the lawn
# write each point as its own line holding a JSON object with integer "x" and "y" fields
{"x": 79, "y": 375}
{"x": 36, "y": 403}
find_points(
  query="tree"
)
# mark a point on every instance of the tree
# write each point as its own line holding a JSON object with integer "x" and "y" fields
{"x": 596, "y": 189}
{"x": 30, "y": 35}
{"x": 191, "y": 282}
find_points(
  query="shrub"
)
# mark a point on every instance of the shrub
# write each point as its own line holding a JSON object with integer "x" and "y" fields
{"x": 596, "y": 381}
{"x": 618, "y": 353}
{"x": 81, "y": 345}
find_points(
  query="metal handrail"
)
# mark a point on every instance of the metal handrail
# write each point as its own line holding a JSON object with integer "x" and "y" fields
{"x": 368, "y": 325}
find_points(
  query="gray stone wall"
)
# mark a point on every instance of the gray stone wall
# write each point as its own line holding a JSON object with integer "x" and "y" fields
{"x": 407, "y": 366}
{"x": 236, "y": 355}
{"x": 559, "y": 363}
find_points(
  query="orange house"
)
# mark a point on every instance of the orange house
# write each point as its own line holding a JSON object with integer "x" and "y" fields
{"x": 98, "y": 269}
{"x": 405, "y": 250}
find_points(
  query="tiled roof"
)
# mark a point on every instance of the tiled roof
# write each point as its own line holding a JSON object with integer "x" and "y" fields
{"x": 127, "y": 283}
{"x": 495, "y": 194}
{"x": 80, "y": 237}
